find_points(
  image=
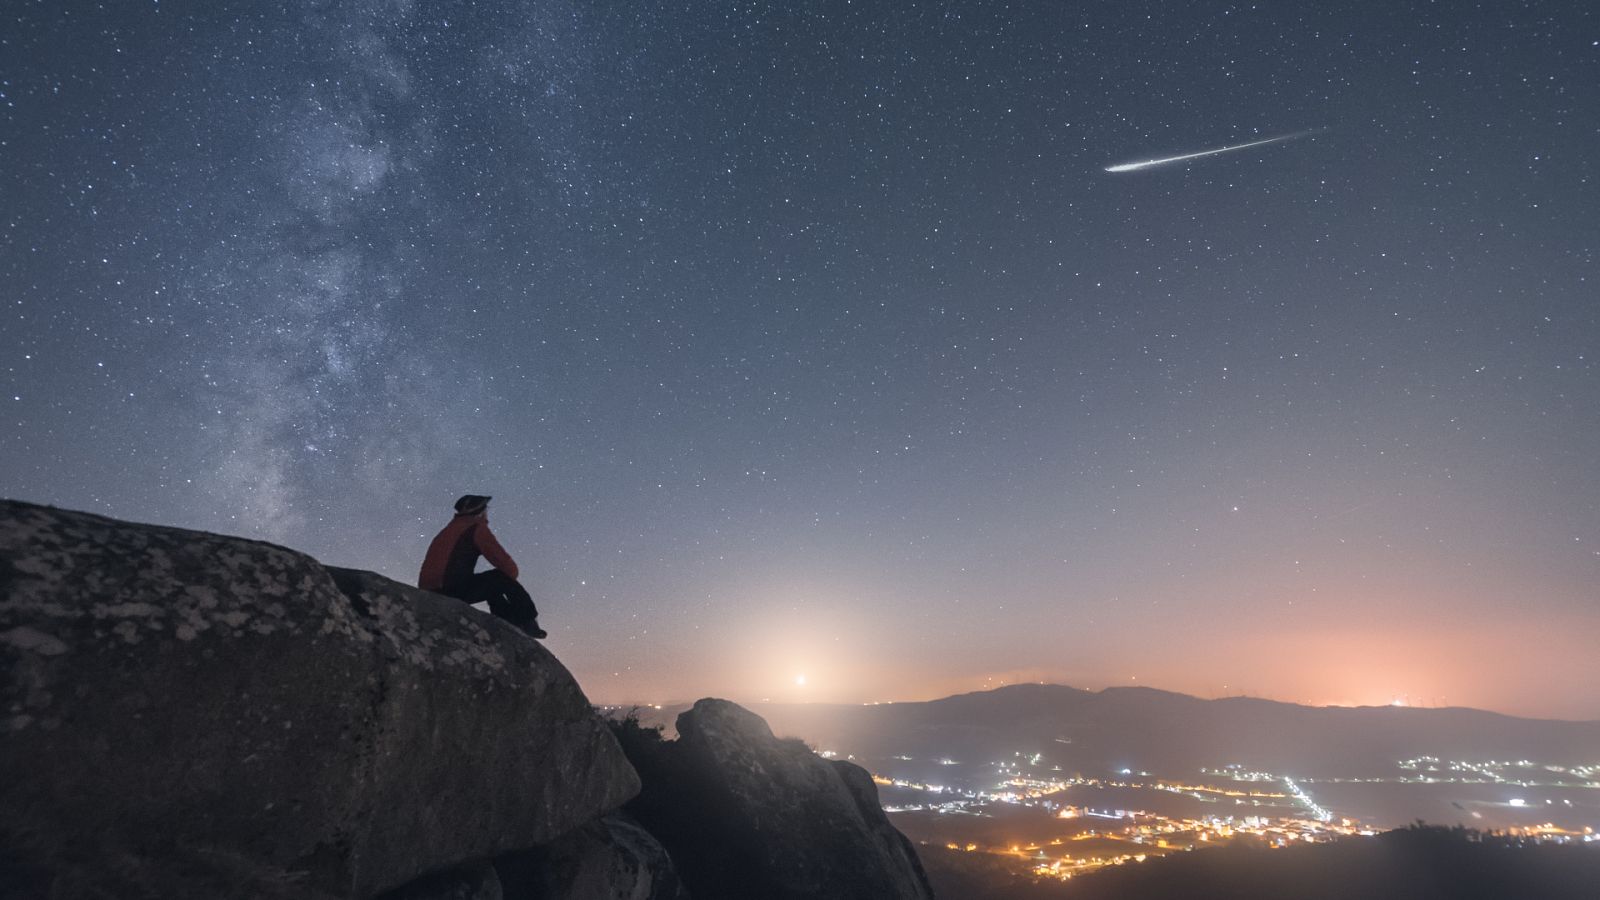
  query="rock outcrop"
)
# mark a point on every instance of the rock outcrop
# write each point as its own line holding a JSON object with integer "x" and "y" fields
{"x": 745, "y": 814}
{"x": 189, "y": 715}
{"x": 185, "y": 714}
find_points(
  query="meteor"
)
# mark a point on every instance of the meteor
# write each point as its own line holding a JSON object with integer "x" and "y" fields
{"x": 1145, "y": 164}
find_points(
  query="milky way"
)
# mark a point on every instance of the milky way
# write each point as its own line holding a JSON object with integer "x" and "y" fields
{"x": 809, "y": 352}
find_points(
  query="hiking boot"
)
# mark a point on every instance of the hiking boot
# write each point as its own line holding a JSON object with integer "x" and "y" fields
{"x": 535, "y": 632}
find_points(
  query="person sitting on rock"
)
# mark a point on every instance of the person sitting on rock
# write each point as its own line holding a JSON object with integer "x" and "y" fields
{"x": 453, "y": 556}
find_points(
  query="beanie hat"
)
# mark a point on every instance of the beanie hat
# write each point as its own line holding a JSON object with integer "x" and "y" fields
{"x": 471, "y": 503}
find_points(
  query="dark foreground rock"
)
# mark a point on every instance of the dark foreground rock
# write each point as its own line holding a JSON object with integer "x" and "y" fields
{"x": 475, "y": 881}
{"x": 746, "y": 815}
{"x": 185, "y": 714}
{"x": 612, "y": 859}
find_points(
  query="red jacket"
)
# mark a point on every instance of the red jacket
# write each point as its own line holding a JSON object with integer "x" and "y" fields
{"x": 454, "y": 553}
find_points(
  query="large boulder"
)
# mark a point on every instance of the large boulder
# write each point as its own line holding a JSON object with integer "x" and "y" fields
{"x": 745, "y": 814}
{"x": 170, "y": 693}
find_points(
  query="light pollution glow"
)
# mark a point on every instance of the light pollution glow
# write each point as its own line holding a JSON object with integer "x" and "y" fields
{"x": 1413, "y": 664}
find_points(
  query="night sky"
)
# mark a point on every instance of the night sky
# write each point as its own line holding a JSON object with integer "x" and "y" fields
{"x": 814, "y": 340}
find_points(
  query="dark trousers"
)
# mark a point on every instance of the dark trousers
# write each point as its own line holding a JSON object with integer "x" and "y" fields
{"x": 506, "y": 598}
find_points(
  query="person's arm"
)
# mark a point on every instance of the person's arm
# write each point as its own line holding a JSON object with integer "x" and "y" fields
{"x": 493, "y": 552}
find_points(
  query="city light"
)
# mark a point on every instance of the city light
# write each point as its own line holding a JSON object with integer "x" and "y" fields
{"x": 1269, "y": 809}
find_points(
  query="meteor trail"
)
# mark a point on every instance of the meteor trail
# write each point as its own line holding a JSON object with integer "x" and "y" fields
{"x": 1145, "y": 164}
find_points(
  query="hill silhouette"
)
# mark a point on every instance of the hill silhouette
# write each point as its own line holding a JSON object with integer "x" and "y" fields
{"x": 1162, "y": 731}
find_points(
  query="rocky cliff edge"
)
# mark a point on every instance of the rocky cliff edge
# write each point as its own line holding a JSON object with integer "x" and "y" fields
{"x": 186, "y": 713}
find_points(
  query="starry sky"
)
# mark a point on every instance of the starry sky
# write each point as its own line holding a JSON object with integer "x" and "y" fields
{"x": 809, "y": 350}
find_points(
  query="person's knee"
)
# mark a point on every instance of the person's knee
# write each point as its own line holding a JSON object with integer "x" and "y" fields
{"x": 498, "y": 578}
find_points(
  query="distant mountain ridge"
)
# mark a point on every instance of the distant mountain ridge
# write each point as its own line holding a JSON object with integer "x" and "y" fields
{"x": 1149, "y": 729}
